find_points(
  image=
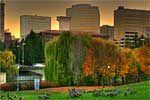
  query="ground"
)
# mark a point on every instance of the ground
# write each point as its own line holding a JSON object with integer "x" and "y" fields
{"x": 143, "y": 93}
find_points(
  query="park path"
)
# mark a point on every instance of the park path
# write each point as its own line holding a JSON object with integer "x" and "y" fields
{"x": 65, "y": 89}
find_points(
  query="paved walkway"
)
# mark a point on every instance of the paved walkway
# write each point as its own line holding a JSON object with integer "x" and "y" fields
{"x": 65, "y": 89}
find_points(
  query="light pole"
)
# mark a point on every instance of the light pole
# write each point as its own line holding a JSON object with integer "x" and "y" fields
{"x": 18, "y": 67}
{"x": 23, "y": 44}
{"x": 18, "y": 78}
{"x": 18, "y": 54}
{"x": 108, "y": 67}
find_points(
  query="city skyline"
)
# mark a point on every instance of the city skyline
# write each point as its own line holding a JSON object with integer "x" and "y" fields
{"x": 52, "y": 8}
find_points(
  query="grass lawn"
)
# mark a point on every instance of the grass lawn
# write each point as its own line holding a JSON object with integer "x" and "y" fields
{"x": 143, "y": 93}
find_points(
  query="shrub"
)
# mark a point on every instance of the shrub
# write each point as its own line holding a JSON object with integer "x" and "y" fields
{"x": 8, "y": 86}
{"x": 12, "y": 86}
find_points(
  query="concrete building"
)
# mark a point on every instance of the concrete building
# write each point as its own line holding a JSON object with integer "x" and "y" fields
{"x": 35, "y": 23}
{"x": 2, "y": 6}
{"x": 84, "y": 17}
{"x": 130, "y": 20}
{"x": 130, "y": 40}
{"x": 108, "y": 31}
{"x": 64, "y": 22}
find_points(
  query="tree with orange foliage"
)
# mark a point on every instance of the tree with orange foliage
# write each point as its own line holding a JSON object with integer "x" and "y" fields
{"x": 102, "y": 52}
{"x": 134, "y": 69}
{"x": 125, "y": 64}
{"x": 88, "y": 64}
{"x": 145, "y": 60}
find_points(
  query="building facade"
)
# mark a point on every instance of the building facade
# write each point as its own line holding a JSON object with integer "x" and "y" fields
{"x": 130, "y": 20}
{"x": 2, "y": 6}
{"x": 35, "y": 23}
{"x": 84, "y": 17}
{"x": 64, "y": 22}
{"x": 130, "y": 40}
{"x": 108, "y": 31}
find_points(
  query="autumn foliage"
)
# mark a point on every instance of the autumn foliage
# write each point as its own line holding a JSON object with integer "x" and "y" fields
{"x": 88, "y": 63}
{"x": 145, "y": 59}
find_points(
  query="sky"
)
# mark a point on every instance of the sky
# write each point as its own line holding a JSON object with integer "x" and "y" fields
{"x": 15, "y": 8}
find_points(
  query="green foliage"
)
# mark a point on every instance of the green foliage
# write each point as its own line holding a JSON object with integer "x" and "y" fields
{"x": 80, "y": 46}
{"x": 52, "y": 64}
{"x": 64, "y": 58}
{"x": 34, "y": 49}
{"x": 7, "y": 62}
{"x": 58, "y": 59}
{"x": 66, "y": 61}
{"x": 2, "y": 47}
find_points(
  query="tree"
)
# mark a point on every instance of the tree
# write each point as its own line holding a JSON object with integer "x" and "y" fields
{"x": 2, "y": 47}
{"x": 59, "y": 55}
{"x": 103, "y": 58}
{"x": 7, "y": 64}
{"x": 124, "y": 69}
{"x": 34, "y": 49}
{"x": 145, "y": 59}
{"x": 52, "y": 65}
{"x": 134, "y": 70}
{"x": 65, "y": 56}
{"x": 88, "y": 64}
{"x": 79, "y": 48}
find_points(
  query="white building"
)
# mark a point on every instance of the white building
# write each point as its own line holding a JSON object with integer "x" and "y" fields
{"x": 35, "y": 23}
{"x": 2, "y": 78}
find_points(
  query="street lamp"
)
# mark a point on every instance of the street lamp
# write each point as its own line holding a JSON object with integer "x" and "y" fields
{"x": 23, "y": 44}
{"x": 18, "y": 67}
{"x": 108, "y": 67}
{"x": 18, "y": 54}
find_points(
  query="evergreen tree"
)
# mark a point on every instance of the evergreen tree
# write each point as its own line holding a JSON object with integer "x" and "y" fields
{"x": 34, "y": 49}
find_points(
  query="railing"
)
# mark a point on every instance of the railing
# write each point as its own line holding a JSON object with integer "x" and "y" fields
{"x": 27, "y": 78}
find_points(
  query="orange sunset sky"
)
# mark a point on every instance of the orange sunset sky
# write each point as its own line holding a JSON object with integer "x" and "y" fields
{"x": 53, "y": 8}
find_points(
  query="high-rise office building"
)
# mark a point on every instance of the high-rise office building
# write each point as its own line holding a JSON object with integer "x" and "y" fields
{"x": 35, "y": 23}
{"x": 84, "y": 17}
{"x": 107, "y": 31}
{"x": 130, "y": 20}
{"x": 2, "y": 6}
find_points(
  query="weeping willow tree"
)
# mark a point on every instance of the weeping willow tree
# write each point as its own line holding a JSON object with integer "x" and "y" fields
{"x": 58, "y": 59}
{"x": 52, "y": 64}
{"x": 64, "y": 58}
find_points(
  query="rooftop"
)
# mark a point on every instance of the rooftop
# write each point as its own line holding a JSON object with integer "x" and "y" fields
{"x": 57, "y": 32}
